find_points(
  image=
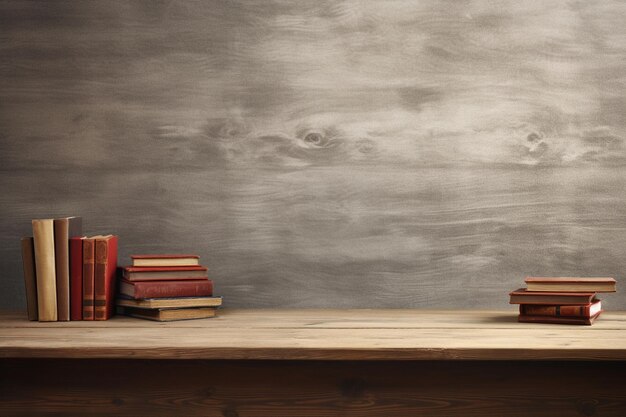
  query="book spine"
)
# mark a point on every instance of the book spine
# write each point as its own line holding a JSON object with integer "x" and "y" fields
{"x": 88, "y": 278}
{"x": 111, "y": 277}
{"x": 62, "y": 265}
{"x": 104, "y": 277}
{"x": 99, "y": 288}
{"x": 554, "y": 311}
{"x": 76, "y": 279}
{"x": 173, "y": 289}
{"x": 556, "y": 320}
{"x": 43, "y": 236}
{"x": 30, "y": 277}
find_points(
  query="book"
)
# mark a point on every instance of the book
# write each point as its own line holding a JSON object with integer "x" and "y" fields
{"x": 169, "y": 314}
{"x": 30, "y": 277}
{"x": 104, "y": 276}
{"x": 523, "y": 296}
{"x": 76, "y": 278}
{"x": 587, "y": 311}
{"x": 43, "y": 239}
{"x": 570, "y": 284}
{"x": 158, "y": 289}
{"x": 165, "y": 260}
{"x": 558, "y": 320}
{"x": 175, "y": 302}
{"x": 89, "y": 253}
{"x": 165, "y": 273}
{"x": 64, "y": 229}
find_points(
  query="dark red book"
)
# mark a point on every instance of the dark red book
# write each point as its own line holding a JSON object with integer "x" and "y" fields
{"x": 165, "y": 273}
{"x": 76, "y": 278}
{"x": 89, "y": 246}
{"x": 159, "y": 289}
{"x": 104, "y": 276}
{"x": 558, "y": 320}
{"x": 586, "y": 311}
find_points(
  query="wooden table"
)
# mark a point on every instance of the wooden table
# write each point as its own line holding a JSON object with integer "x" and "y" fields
{"x": 315, "y": 363}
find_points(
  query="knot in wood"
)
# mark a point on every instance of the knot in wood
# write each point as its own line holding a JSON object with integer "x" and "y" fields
{"x": 315, "y": 138}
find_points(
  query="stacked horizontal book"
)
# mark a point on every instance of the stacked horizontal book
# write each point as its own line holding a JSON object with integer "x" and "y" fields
{"x": 68, "y": 276}
{"x": 166, "y": 287}
{"x": 561, "y": 300}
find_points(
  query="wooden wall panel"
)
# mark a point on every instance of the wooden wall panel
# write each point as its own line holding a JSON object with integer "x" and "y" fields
{"x": 332, "y": 153}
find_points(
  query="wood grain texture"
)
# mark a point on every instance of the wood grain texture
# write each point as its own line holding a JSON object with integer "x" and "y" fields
{"x": 323, "y": 154}
{"x": 292, "y": 388}
{"x": 320, "y": 334}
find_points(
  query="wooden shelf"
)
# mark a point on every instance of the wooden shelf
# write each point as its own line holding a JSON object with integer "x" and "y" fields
{"x": 311, "y": 334}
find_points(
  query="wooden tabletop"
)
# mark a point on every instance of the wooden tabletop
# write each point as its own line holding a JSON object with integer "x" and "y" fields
{"x": 319, "y": 334}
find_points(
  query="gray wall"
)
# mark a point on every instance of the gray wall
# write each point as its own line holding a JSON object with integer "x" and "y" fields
{"x": 333, "y": 154}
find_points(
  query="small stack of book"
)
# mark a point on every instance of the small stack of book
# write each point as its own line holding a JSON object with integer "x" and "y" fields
{"x": 62, "y": 280}
{"x": 166, "y": 288}
{"x": 561, "y": 300}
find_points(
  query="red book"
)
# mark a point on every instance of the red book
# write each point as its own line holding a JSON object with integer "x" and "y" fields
{"x": 104, "y": 276}
{"x": 523, "y": 296}
{"x": 165, "y": 273}
{"x": 586, "y": 311}
{"x": 558, "y": 320}
{"x": 160, "y": 289}
{"x": 76, "y": 278}
{"x": 89, "y": 245}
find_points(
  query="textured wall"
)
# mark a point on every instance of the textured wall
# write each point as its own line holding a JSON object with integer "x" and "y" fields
{"x": 340, "y": 153}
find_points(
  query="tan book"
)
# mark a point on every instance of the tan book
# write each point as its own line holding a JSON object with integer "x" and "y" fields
{"x": 570, "y": 284}
{"x": 64, "y": 229}
{"x": 43, "y": 236}
{"x": 169, "y": 314}
{"x": 30, "y": 277}
{"x": 176, "y": 302}
{"x": 165, "y": 260}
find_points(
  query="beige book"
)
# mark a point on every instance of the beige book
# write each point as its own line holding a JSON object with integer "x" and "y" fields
{"x": 168, "y": 314}
{"x": 30, "y": 277}
{"x": 43, "y": 235}
{"x": 174, "y": 302}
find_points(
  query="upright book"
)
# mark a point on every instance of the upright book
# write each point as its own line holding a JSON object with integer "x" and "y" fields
{"x": 89, "y": 254}
{"x": 76, "y": 278}
{"x": 43, "y": 237}
{"x": 30, "y": 277}
{"x": 104, "y": 276}
{"x": 64, "y": 229}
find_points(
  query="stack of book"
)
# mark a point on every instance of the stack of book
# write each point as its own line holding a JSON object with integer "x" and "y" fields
{"x": 68, "y": 276}
{"x": 166, "y": 288}
{"x": 561, "y": 300}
